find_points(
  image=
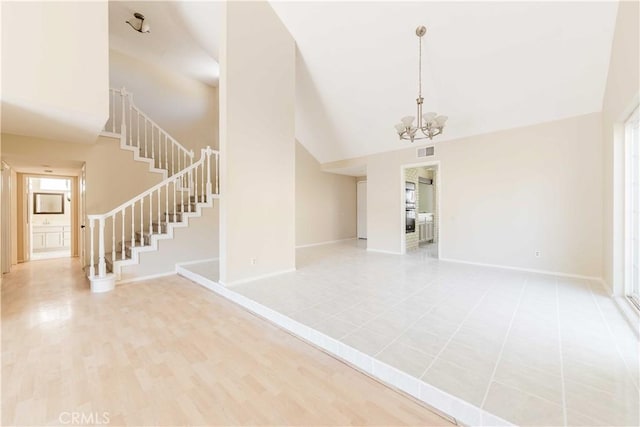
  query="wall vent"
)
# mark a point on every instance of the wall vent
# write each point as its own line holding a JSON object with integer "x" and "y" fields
{"x": 426, "y": 151}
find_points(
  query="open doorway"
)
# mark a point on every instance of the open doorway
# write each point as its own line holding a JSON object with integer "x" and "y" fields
{"x": 420, "y": 208}
{"x": 49, "y": 215}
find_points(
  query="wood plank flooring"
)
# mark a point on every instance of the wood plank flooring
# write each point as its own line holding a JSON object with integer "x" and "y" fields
{"x": 168, "y": 352}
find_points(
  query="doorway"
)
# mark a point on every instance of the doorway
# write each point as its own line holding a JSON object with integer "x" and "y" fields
{"x": 420, "y": 210}
{"x": 49, "y": 215}
{"x": 361, "y": 209}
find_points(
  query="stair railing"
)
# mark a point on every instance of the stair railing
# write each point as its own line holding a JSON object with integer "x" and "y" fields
{"x": 137, "y": 130}
{"x": 150, "y": 210}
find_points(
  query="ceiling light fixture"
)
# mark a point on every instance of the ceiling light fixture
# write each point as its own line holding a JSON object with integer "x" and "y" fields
{"x": 429, "y": 124}
{"x": 142, "y": 27}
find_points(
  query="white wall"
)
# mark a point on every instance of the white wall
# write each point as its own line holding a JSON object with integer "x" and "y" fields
{"x": 184, "y": 107}
{"x": 257, "y": 143}
{"x": 621, "y": 97}
{"x": 325, "y": 202}
{"x": 503, "y": 196}
{"x": 55, "y": 69}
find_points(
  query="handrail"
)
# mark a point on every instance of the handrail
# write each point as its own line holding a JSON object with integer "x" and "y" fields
{"x": 206, "y": 153}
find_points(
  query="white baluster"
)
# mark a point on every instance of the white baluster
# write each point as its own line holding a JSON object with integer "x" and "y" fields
{"x": 142, "y": 221}
{"x": 153, "y": 149}
{"x": 208, "y": 172}
{"x": 160, "y": 137}
{"x": 202, "y": 190}
{"x": 102, "y": 266}
{"x": 124, "y": 214}
{"x": 92, "y": 262}
{"x": 166, "y": 154}
{"x": 166, "y": 201}
{"x": 113, "y": 238}
{"x": 123, "y": 123}
{"x": 150, "y": 214}
{"x": 146, "y": 142}
{"x": 133, "y": 226}
{"x": 159, "y": 195}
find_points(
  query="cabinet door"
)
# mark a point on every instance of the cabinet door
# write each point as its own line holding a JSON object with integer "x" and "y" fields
{"x": 38, "y": 241}
{"x": 54, "y": 239}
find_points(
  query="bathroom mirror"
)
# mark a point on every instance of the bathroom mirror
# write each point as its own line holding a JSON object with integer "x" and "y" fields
{"x": 48, "y": 203}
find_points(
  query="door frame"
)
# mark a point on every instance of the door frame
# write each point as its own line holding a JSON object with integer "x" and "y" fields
{"x": 358, "y": 183}
{"x": 438, "y": 222}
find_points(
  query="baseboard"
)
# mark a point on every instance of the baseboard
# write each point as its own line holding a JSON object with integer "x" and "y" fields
{"x": 380, "y": 251}
{"x": 325, "y": 243}
{"x": 607, "y": 288}
{"x": 629, "y": 312}
{"x": 143, "y": 278}
{"x": 528, "y": 270}
{"x": 453, "y": 408}
{"x": 261, "y": 276}
{"x": 180, "y": 264}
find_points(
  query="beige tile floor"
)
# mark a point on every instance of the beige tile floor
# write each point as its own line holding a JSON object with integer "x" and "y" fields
{"x": 168, "y": 352}
{"x": 530, "y": 348}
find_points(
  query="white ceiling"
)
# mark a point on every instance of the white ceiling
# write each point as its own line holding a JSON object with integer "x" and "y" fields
{"x": 183, "y": 37}
{"x": 487, "y": 65}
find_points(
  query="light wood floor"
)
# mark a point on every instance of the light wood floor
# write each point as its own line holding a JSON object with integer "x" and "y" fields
{"x": 168, "y": 352}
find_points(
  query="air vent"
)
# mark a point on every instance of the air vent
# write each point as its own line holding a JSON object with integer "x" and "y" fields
{"x": 426, "y": 151}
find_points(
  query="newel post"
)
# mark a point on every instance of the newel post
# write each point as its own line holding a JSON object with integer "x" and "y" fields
{"x": 92, "y": 269}
{"x": 102, "y": 265}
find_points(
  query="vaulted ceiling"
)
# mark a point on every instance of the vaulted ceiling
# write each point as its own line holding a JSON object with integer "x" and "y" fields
{"x": 487, "y": 65}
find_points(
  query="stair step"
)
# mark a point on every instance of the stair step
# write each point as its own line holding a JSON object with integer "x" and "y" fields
{"x": 187, "y": 207}
{"x": 173, "y": 217}
{"x": 201, "y": 198}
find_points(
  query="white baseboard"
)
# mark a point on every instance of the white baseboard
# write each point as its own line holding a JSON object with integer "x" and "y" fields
{"x": 380, "y": 251}
{"x": 261, "y": 276}
{"x": 143, "y": 278}
{"x": 180, "y": 264}
{"x": 528, "y": 270}
{"x": 324, "y": 243}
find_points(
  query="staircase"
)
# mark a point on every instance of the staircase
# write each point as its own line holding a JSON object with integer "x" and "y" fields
{"x": 116, "y": 238}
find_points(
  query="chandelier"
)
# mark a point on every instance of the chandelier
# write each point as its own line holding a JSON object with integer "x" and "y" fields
{"x": 429, "y": 124}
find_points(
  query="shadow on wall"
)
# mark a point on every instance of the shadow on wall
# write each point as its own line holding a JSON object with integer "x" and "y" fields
{"x": 309, "y": 104}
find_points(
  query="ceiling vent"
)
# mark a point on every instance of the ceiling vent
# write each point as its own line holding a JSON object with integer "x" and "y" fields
{"x": 426, "y": 151}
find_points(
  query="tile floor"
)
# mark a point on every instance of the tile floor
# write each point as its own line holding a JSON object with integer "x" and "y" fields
{"x": 530, "y": 348}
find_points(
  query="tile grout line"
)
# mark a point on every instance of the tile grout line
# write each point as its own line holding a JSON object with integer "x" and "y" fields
{"x": 504, "y": 343}
{"x": 563, "y": 389}
{"x": 437, "y": 356}
{"x": 384, "y": 311}
{"x": 604, "y": 320}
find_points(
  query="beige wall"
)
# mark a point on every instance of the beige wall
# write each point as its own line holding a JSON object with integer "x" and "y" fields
{"x": 198, "y": 241}
{"x": 621, "y": 97}
{"x": 55, "y": 69}
{"x": 325, "y": 202}
{"x": 504, "y": 196}
{"x": 257, "y": 143}
{"x": 112, "y": 176}
{"x": 186, "y": 108}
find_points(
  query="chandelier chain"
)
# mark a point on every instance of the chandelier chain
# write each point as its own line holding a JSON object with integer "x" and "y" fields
{"x": 420, "y": 67}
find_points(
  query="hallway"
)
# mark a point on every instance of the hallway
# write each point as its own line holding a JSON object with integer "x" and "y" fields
{"x": 168, "y": 352}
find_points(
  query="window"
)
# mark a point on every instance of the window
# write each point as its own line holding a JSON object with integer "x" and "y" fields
{"x": 54, "y": 184}
{"x": 632, "y": 208}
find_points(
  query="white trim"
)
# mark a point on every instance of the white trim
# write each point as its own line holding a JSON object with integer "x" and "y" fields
{"x": 529, "y": 270}
{"x": 462, "y": 412}
{"x": 381, "y": 251}
{"x": 261, "y": 276}
{"x": 629, "y": 312}
{"x": 607, "y": 287}
{"x": 328, "y": 242}
{"x": 142, "y": 278}
{"x": 180, "y": 264}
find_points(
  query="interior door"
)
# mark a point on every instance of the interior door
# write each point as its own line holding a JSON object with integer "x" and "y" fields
{"x": 82, "y": 214}
{"x": 361, "y": 209}
{"x": 5, "y": 195}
